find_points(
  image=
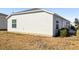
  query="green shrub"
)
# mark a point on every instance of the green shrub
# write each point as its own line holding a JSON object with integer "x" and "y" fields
{"x": 64, "y": 32}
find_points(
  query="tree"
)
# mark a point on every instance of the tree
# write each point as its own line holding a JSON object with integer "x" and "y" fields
{"x": 76, "y": 22}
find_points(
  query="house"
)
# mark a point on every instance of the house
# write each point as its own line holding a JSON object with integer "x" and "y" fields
{"x": 36, "y": 21}
{"x": 3, "y": 21}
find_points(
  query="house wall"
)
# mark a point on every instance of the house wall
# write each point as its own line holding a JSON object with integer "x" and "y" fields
{"x": 62, "y": 23}
{"x": 3, "y": 22}
{"x": 40, "y": 23}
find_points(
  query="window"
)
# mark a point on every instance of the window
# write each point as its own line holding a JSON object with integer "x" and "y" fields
{"x": 57, "y": 24}
{"x": 14, "y": 23}
{"x": 57, "y": 21}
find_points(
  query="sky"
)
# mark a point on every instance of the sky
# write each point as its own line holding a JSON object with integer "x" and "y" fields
{"x": 68, "y": 13}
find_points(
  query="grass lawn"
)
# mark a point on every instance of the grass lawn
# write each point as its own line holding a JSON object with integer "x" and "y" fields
{"x": 13, "y": 41}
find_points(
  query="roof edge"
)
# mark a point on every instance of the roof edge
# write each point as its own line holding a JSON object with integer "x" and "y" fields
{"x": 41, "y": 10}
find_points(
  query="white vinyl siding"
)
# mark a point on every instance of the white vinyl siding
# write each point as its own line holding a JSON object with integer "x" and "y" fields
{"x": 39, "y": 23}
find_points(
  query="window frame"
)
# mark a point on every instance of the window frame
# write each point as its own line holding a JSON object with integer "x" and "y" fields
{"x": 14, "y": 23}
{"x": 57, "y": 24}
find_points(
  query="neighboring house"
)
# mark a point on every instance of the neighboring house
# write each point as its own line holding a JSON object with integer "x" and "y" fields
{"x": 36, "y": 21}
{"x": 3, "y": 21}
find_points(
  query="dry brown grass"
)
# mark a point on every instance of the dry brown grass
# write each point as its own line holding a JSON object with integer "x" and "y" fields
{"x": 13, "y": 41}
